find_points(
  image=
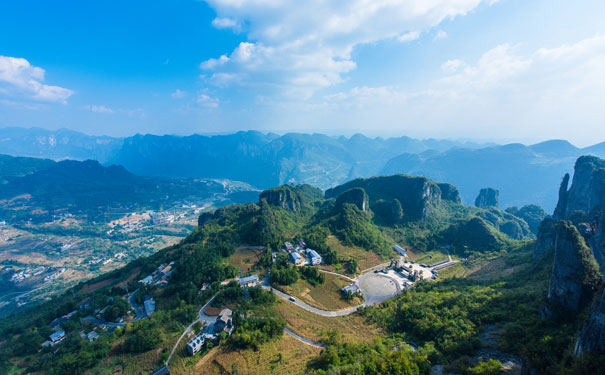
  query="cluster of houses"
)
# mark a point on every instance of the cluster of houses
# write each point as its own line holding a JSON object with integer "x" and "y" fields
{"x": 90, "y": 336}
{"x": 26, "y": 274}
{"x": 300, "y": 256}
{"x": 54, "y": 275}
{"x": 58, "y": 334}
{"x": 161, "y": 218}
{"x": 160, "y": 276}
{"x": 400, "y": 266}
{"x": 223, "y": 323}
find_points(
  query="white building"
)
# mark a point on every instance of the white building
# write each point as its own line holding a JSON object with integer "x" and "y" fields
{"x": 314, "y": 257}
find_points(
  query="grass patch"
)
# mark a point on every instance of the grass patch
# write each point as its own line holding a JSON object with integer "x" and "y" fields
{"x": 326, "y": 296}
{"x": 352, "y": 328}
{"x": 284, "y": 356}
{"x": 365, "y": 259}
{"x": 245, "y": 259}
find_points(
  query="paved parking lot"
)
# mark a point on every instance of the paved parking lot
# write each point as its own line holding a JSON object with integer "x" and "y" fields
{"x": 378, "y": 287}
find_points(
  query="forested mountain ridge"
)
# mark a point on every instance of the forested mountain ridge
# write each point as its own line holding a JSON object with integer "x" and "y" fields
{"x": 87, "y": 186}
{"x": 521, "y": 173}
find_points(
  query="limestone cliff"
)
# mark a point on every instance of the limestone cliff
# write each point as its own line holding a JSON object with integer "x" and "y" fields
{"x": 449, "y": 192}
{"x": 487, "y": 197}
{"x": 587, "y": 192}
{"x": 356, "y": 196}
{"x": 284, "y": 196}
{"x": 584, "y": 203}
{"x": 417, "y": 195}
{"x": 575, "y": 274}
{"x": 546, "y": 238}
{"x": 592, "y": 337}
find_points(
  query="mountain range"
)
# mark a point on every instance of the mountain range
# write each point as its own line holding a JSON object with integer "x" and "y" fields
{"x": 523, "y": 174}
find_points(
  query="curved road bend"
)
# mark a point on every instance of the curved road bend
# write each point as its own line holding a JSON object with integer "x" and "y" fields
{"x": 202, "y": 317}
{"x": 135, "y": 307}
{"x": 305, "y": 340}
{"x": 312, "y": 309}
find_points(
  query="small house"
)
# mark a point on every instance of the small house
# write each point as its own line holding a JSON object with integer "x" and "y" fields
{"x": 288, "y": 246}
{"x": 57, "y": 337}
{"x": 295, "y": 257}
{"x": 195, "y": 344}
{"x": 314, "y": 257}
{"x": 147, "y": 280}
{"x": 399, "y": 249}
{"x": 249, "y": 281}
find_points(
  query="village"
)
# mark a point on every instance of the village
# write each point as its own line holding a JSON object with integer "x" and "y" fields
{"x": 376, "y": 285}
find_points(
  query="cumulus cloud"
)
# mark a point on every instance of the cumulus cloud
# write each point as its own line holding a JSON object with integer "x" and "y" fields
{"x": 506, "y": 91}
{"x": 408, "y": 37}
{"x": 20, "y": 79}
{"x": 450, "y": 66}
{"x": 224, "y": 23}
{"x": 301, "y": 46}
{"x": 206, "y": 101}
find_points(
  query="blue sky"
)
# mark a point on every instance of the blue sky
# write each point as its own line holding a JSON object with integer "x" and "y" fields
{"x": 468, "y": 69}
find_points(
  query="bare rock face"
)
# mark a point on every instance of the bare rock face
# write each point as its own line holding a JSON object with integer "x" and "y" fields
{"x": 587, "y": 192}
{"x": 284, "y": 197}
{"x": 575, "y": 275}
{"x": 546, "y": 238}
{"x": 487, "y": 197}
{"x": 592, "y": 337}
{"x": 356, "y": 196}
{"x": 586, "y": 200}
{"x": 449, "y": 192}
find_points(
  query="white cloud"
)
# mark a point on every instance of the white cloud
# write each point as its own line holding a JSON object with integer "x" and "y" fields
{"x": 409, "y": 36}
{"x": 225, "y": 23}
{"x": 178, "y": 94}
{"x": 100, "y": 109}
{"x": 451, "y": 66}
{"x": 298, "y": 47}
{"x": 18, "y": 78}
{"x": 206, "y": 101}
{"x": 535, "y": 94}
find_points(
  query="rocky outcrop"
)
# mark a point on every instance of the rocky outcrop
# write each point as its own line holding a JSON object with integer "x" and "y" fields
{"x": 561, "y": 208}
{"x": 417, "y": 195}
{"x": 584, "y": 203}
{"x": 487, "y": 197}
{"x": 284, "y": 196}
{"x": 205, "y": 217}
{"x": 356, "y": 196}
{"x": 592, "y": 336}
{"x": 449, "y": 192}
{"x": 587, "y": 192}
{"x": 575, "y": 274}
{"x": 546, "y": 238}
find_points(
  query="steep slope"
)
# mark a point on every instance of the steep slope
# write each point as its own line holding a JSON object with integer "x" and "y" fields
{"x": 416, "y": 194}
{"x": 87, "y": 185}
{"x": 523, "y": 174}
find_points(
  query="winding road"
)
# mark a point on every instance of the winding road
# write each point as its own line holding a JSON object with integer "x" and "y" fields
{"x": 305, "y": 340}
{"x": 202, "y": 317}
{"x": 135, "y": 307}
